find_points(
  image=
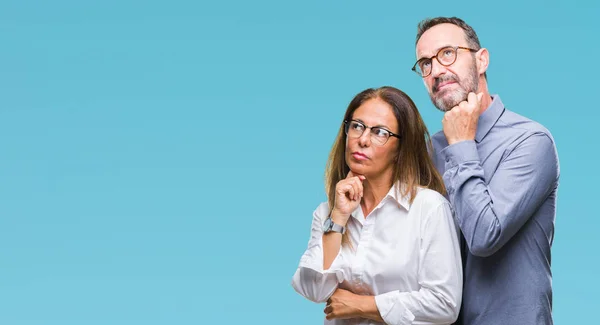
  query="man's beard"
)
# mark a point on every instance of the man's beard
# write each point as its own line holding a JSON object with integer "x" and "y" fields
{"x": 465, "y": 86}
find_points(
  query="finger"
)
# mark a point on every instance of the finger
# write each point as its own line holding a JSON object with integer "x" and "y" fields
{"x": 479, "y": 97}
{"x": 349, "y": 191}
{"x": 359, "y": 177}
{"x": 447, "y": 115}
{"x": 355, "y": 190}
{"x": 353, "y": 174}
{"x": 343, "y": 187}
{"x": 350, "y": 174}
{"x": 472, "y": 98}
{"x": 359, "y": 188}
{"x": 473, "y": 101}
{"x": 331, "y": 314}
{"x": 327, "y": 309}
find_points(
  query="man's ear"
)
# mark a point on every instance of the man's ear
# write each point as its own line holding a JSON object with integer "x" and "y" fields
{"x": 483, "y": 60}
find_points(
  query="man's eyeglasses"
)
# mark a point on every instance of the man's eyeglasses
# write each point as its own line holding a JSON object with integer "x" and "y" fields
{"x": 445, "y": 56}
{"x": 379, "y": 135}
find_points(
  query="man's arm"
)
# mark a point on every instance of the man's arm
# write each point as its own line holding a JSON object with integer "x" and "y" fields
{"x": 490, "y": 214}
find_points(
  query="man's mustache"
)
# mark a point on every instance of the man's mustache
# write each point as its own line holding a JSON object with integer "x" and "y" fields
{"x": 437, "y": 81}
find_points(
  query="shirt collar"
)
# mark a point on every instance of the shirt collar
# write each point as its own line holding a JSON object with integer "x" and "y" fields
{"x": 393, "y": 194}
{"x": 396, "y": 195}
{"x": 489, "y": 118}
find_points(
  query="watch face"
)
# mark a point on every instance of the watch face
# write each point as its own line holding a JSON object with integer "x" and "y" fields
{"x": 327, "y": 224}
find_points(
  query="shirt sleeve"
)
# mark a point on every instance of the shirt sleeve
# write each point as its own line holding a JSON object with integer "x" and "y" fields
{"x": 440, "y": 276}
{"x": 489, "y": 214}
{"x": 310, "y": 280}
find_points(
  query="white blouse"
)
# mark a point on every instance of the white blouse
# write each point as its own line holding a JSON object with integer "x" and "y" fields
{"x": 406, "y": 255}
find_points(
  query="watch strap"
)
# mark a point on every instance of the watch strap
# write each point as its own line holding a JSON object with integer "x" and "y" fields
{"x": 334, "y": 227}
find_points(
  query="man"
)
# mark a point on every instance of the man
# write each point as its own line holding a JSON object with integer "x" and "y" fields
{"x": 501, "y": 171}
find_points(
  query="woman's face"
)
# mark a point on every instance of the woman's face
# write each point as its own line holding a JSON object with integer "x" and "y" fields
{"x": 364, "y": 155}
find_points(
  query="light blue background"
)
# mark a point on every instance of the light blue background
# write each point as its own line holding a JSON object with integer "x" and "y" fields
{"x": 160, "y": 161}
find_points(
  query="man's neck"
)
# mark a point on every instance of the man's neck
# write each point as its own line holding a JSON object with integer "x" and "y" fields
{"x": 486, "y": 99}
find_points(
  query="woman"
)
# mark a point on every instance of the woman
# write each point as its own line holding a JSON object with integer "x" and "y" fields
{"x": 384, "y": 248}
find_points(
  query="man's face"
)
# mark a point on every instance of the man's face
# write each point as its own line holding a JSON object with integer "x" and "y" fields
{"x": 448, "y": 85}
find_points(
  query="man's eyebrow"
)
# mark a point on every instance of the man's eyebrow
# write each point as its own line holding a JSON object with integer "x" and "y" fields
{"x": 436, "y": 51}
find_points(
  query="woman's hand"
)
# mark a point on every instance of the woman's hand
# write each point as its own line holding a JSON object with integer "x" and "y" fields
{"x": 344, "y": 304}
{"x": 348, "y": 193}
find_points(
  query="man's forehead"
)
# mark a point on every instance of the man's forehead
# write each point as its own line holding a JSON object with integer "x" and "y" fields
{"x": 438, "y": 37}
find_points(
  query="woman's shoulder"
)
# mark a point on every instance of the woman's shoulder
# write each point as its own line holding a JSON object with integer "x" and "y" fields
{"x": 432, "y": 207}
{"x": 429, "y": 197}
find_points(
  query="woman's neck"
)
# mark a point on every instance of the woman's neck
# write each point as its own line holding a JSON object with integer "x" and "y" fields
{"x": 374, "y": 190}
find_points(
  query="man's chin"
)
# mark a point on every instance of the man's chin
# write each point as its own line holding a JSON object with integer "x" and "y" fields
{"x": 444, "y": 109}
{"x": 443, "y": 104}
{"x": 446, "y": 101}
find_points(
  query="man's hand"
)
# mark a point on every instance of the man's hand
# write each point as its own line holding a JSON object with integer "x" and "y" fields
{"x": 460, "y": 123}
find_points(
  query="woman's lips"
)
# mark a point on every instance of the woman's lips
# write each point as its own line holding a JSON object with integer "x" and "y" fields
{"x": 359, "y": 156}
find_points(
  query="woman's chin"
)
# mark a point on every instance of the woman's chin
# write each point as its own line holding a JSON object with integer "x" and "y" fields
{"x": 358, "y": 168}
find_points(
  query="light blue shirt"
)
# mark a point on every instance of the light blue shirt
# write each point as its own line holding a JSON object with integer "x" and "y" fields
{"x": 503, "y": 188}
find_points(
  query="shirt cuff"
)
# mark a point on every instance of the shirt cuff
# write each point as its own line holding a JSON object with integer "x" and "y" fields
{"x": 315, "y": 263}
{"x": 314, "y": 283}
{"x": 460, "y": 152}
{"x": 392, "y": 309}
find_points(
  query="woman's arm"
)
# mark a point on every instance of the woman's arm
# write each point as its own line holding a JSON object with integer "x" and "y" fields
{"x": 345, "y": 304}
{"x": 440, "y": 277}
{"x": 319, "y": 272}
{"x": 332, "y": 241}
{"x": 311, "y": 279}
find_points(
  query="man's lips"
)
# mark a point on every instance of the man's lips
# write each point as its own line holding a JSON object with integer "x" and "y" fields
{"x": 444, "y": 84}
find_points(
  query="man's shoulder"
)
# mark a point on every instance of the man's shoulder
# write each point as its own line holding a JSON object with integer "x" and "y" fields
{"x": 523, "y": 124}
